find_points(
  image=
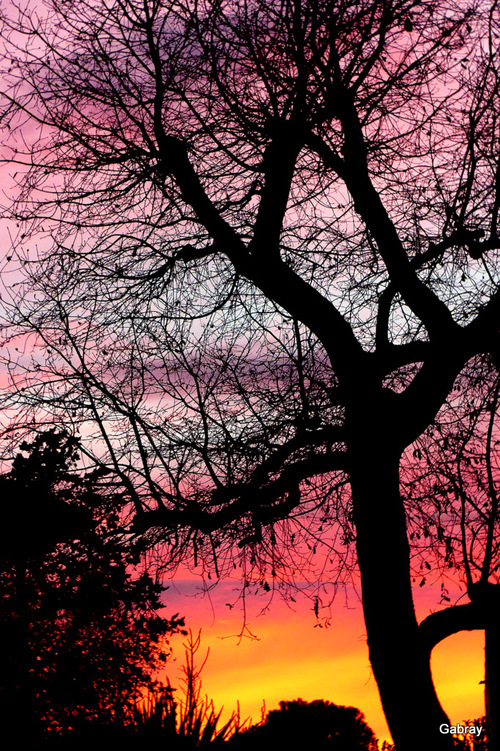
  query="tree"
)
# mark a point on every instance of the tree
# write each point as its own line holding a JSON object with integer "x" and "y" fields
{"x": 267, "y": 254}
{"x": 453, "y": 491}
{"x": 317, "y": 724}
{"x": 81, "y": 636}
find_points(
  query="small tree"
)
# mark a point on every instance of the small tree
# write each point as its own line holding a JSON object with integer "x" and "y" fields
{"x": 317, "y": 724}
{"x": 81, "y": 635}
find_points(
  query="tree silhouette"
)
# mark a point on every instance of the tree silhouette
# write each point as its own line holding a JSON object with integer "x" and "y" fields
{"x": 81, "y": 636}
{"x": 317, "y": 724}
{"x": 453, "y": 491}
{"x": 259, "y": 244}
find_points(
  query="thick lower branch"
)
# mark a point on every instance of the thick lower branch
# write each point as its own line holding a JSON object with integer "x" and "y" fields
{"x": 438, "y": 626}
{"x": 480, "y": 613}
{"x": 268, "y": 502}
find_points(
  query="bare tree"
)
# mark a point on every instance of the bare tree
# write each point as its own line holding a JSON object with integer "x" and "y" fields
{"x": 260, "y": 246}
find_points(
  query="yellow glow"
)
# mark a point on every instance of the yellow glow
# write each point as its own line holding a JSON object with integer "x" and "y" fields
{"x": 458, "y": 668}
{"x": 292, "y": 658}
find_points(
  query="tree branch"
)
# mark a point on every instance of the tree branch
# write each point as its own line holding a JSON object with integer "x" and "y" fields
{"x": 438, "y": 626}
{"x": 262, "y": 502}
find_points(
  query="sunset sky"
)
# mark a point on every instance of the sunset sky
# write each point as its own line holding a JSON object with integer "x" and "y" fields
{"x": 249, "y": 294}
{"x": 292, "y": 657}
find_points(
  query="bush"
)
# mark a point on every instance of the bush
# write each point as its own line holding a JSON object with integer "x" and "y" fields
{"x": 317, "y": 724}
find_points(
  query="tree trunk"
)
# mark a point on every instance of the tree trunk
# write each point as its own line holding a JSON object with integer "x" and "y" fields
{"x": 492, "y": 680}
{"x": 400, "y": 662}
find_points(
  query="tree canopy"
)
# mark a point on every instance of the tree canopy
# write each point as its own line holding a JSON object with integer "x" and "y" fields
{"x": 82, "y": 637}
{"x": 317, "y": 724}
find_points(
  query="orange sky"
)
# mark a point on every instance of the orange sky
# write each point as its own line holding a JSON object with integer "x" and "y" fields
{"x": 292, "y": 658}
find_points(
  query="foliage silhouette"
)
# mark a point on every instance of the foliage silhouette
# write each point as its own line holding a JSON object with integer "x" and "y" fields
{"x": 179, "y": 719}
{"x": 190, "y": 721}
{"x": 259, "y": 249}
{"x": 81, "y": 636}
{"x": 317, "y": 724}
{"x": 471, "y": 742}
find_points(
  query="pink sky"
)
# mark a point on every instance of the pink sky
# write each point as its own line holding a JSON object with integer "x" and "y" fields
{"x": 292, "y": 657}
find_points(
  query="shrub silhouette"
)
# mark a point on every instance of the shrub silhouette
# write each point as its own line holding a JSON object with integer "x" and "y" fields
{"x": 317, "y": 724}
{"x": 184, "y": 719}
{"x": 80, "y": 632}
{"x": 172, "y": 719}
{"x": 471, "y": 742}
